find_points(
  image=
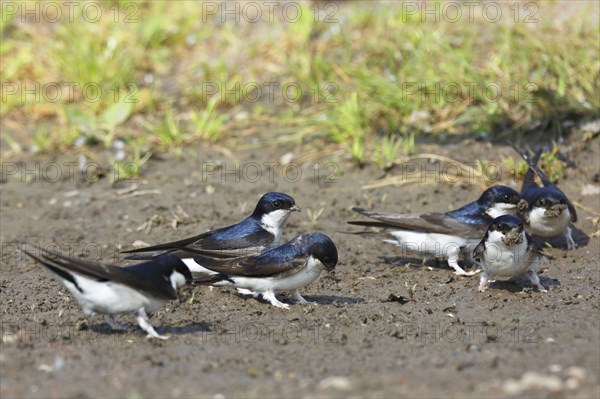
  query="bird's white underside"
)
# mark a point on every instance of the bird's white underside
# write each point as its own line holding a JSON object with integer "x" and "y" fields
{"x": 112, "y": 298}
{"x": 440, "y": 246}
{"x": 500, "y": 260}
{"x": 309, "y": 273}
{"x": 108, "y": 297}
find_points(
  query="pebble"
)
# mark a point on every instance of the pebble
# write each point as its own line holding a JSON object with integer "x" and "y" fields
{"x": 336, "y": 382}
{"x": 578, "y": 373}
{"x": 590, "y": 189}
{"x": 140, "y": 244}
{"x": 535, "y": 381}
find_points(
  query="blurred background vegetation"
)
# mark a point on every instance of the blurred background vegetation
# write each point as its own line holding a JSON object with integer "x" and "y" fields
{"x": 362, "y": 80}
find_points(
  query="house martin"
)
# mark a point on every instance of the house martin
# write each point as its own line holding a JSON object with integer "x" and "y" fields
{"x": 549, "y": 211}
{"x": 506, "y": 250}
{"x": 447, "y": 235}
{"x": 287, "y": 267}
{"x": 111, "y": 290}
{"x": 262, "y": 229}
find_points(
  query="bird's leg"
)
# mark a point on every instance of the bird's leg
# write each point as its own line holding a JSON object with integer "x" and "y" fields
{"x": 453, "y": 263}
{"x": 533, "y": 277}
{"x": 110, "y": 319}
{"x": 245, "y": 291}
{"x": 144, "y": 323}
{"x": 483, "y": 281}
{"x": 569, "y": 237}
{"x": 270, "y": 297}
{"x": 300, "y": 299}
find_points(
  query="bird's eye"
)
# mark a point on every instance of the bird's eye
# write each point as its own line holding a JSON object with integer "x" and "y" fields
{"x": 277, "y": 204}
{"x": 507, "y": 198}
{"x": 542, "y": 202}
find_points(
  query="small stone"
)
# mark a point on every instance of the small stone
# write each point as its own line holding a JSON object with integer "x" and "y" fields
{"x": 336, "y": 382}
{"x": 139, "y": 244}
{"x": 578, "y": 373}
{"x": 571, "y": 384}
{"x": 590, "y": 189}
{"x": 534, "y": 381}
{"x": 555, "y": 368}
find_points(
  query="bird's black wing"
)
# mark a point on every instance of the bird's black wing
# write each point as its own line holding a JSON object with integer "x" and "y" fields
{"x": 264, "y": 265}
{"x": 572, "y": 210}
{"x": 229, "y": 242}
{"x": 426, "y": 222}
{"x": 480, "y": 249}
{"x": 534, "y": 247}
{"x": 139, "y": 277}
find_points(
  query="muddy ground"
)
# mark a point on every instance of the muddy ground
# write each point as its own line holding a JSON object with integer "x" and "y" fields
{"x": 371, "y": 334}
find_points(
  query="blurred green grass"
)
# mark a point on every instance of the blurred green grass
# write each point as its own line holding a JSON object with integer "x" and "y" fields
{"x": 371, "y": 82}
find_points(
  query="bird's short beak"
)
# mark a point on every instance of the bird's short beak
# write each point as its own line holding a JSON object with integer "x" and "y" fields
{"x": 513, "y": 237}
{"x": 295, "y": 208}
{"x": 185, "y": 293}
{"x": 555, "y": 210}
{"x": 522, "y": 205}
{"x": 330, "y": 266}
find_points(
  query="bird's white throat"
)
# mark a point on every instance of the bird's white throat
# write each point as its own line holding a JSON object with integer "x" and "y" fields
{"x": 542, "y": 225}
{"x": 274, "y": 221}
{"x": 501, "y": 208}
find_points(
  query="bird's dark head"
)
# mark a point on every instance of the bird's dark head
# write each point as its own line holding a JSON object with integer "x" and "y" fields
{"x": 274, "y": 202}
{"x": 507, "y": 228}
{"x": 174, "y": 269}
{"x": 552, "y": 201}
{"x": 499, "y": 195}
{"x": 321, "y": 247}
{"x": 501, "y": 200}
{"x": 506, "y": 224}
{"x": 182, "y": 269}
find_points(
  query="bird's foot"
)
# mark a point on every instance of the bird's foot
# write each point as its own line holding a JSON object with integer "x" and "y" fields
{"x": 300, "y": 299}
{"x": 570, "y": 241}
{"x": 144, "y": 323}
{"x": 157, "y": 336}
{"x": 245, "y": 291}
{"x": 484, "y": 282}
{"x": 269, "y": 296}
{"x": 461, "y": 272}
{"x": 114, "y": 325}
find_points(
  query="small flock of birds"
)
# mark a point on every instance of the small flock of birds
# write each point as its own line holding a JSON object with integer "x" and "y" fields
{"x": 248, "y": 255}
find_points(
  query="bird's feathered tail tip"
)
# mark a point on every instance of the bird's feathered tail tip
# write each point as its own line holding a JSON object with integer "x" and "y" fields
{"x": 533, "y": 168}
{"x": 524, "y": 155}
{"x": 31, "y": 255}
{"x": 144, "y": 255}
{"x": 364, "y": 233}
{"x": 364, "y": 223}
{"x": 209, "y": 279}
{"x": 363, "y": 211}
{"x": 42, "y": 255}
{"x": 49, "y": 260}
